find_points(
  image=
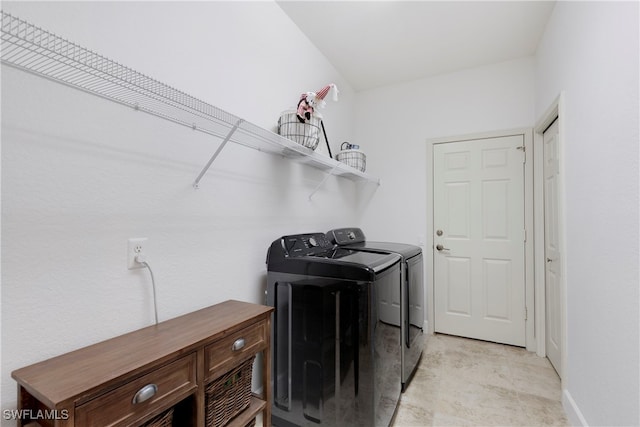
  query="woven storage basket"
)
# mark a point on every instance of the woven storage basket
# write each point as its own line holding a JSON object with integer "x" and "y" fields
{"x": 229, "y": 395}
{"x": 306, "y": 134}
{"x": 163, "y": 420}
{"x": 354, "y": 158}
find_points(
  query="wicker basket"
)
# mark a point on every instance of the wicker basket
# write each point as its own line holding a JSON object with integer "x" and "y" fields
{"x": 354, "y": 158}
{"x": 229, "y": 395}
{"x": 306, "y": 134}
{"x": 163, "y": 420}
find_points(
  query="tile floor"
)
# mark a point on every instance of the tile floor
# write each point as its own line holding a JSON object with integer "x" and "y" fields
{"x": 464, "y": 382}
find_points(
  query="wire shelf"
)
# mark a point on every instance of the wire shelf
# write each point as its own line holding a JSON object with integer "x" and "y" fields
{"x": 37, "y": 51}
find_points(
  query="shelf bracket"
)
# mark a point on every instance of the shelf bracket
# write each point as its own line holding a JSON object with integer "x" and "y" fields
{"x": 196, "y": 183}
{"x": 323, "y": 181}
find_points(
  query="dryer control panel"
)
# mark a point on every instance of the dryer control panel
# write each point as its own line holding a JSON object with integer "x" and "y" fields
{"x": 346, "y": 236}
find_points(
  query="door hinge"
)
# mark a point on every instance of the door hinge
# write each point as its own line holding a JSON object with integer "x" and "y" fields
{"x": 526, "y": 313}
{"x": 524, "y": 153}
{"x": 525, "y": 234}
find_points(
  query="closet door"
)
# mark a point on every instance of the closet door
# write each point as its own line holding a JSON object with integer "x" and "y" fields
{"x": 552, "y": 271}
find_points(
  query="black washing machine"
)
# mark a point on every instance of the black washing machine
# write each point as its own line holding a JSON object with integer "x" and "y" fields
{"x": 406, "y": 304}
{"x": 336, "y": 362}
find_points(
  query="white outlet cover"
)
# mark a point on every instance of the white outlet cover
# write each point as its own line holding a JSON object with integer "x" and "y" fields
{"x": 136, "y": 245}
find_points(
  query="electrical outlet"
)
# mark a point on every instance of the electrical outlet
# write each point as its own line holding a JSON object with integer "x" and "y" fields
{"x": 136, "y": 246}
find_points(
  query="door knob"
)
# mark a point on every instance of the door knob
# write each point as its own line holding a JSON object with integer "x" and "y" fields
{"x": 549, "y": 260}
{"x": 441, "y": 248}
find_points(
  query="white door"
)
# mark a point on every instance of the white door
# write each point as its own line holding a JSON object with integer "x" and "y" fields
{"x": 479, "y": 280}
{"x": 552, "y": 272}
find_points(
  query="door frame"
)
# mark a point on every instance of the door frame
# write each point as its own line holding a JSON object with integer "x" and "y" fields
{"x": 530, "y": 300}
{"x": 555, "y": 110}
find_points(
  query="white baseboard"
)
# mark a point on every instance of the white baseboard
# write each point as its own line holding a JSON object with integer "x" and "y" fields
{"x": 574, "y": 414}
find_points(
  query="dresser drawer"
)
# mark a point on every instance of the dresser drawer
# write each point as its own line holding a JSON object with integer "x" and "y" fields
{"x": 227, "y": 352}
{"x": 156, "y": 391}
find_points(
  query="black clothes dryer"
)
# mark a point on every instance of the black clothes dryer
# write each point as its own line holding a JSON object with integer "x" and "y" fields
{"x": 406, "y": 304}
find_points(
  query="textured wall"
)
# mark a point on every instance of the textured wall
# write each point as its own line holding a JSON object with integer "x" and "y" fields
{"x": 81, "y": 175}
{"x": 590, "y": 51}
{"x": 394, "y": 124}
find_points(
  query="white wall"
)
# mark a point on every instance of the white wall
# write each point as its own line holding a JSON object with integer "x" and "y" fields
{"x": 81, "y": 175}
{"x": 395, "y": 122}
{"x": 590, "y": 50}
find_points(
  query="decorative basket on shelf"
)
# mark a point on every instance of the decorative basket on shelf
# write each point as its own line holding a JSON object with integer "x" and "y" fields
{"x": 305, "y": 134}
{"x": 352, "y": 156}
{"x": 229, "y": 395}
{"x": 163, "y": 420}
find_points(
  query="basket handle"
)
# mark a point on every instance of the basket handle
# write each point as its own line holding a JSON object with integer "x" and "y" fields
{"x": 326, "y": 139}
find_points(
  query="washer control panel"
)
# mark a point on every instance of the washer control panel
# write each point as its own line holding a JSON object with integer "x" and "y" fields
{"x": 306, "y": 244}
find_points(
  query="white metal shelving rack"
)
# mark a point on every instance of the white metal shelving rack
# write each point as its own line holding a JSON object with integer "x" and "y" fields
{"x": 32, "y": 49}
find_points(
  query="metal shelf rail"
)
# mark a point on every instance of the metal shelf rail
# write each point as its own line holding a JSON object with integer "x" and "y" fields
{"x": 37, "y": 51}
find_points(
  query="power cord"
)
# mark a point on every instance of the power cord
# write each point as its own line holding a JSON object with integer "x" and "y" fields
{"x": 140, "y": 259}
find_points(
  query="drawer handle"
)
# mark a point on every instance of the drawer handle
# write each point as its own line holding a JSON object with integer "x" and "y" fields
{"x": 238, "y": 344}
{"x": 145, "y": 393}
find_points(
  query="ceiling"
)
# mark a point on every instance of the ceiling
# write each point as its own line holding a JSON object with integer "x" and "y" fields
{"x": 379, "y": 43}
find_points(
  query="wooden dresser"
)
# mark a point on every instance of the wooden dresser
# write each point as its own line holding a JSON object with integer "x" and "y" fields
{"x": 130, "y": 379}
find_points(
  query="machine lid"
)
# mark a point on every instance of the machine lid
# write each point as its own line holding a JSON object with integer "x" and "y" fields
{"x": 406, "y": 250}
{"x": 353, "y": 237}
{"x": 375, "y": 261}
